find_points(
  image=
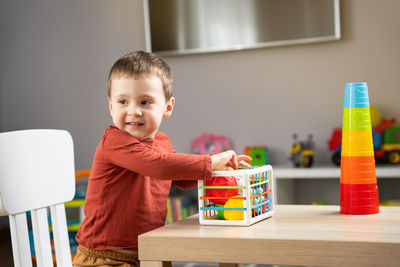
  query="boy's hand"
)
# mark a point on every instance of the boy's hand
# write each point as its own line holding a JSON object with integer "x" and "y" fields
{"x": 228, "y": 160}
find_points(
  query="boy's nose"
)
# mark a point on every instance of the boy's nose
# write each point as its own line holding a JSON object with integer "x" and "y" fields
{"x": 135, "y": 111}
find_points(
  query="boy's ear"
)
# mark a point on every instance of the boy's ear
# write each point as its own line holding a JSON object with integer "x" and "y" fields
{"x": 169, "y": 108}
{"x": 109, "y": 105}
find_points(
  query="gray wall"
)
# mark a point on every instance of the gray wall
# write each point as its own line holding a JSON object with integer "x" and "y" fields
{"x": 264, "y": 96}
{"x": 55, "y": 56}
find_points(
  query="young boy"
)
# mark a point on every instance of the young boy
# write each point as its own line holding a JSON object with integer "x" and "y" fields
{"x": 135, "y": 164}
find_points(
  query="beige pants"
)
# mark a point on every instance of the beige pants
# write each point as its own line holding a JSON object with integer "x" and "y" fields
{"x": 86, "y": 257}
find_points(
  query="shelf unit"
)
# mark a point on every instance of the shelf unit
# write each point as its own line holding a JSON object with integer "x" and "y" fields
{"x": 322, "y": 184}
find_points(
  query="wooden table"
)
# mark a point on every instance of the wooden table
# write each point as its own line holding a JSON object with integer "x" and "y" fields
{"x": 294, "y": 235}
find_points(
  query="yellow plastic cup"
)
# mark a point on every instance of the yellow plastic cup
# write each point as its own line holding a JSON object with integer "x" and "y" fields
{"x": 357, "y": 143}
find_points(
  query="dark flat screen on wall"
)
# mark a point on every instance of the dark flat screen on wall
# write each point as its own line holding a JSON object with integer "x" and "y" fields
{"x": 198, "y": 26}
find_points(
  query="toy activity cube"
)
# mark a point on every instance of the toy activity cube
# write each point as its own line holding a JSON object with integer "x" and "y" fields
{"x": 241, "y": 197}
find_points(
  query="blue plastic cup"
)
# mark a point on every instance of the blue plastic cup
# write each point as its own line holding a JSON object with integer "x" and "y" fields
{"x": 356, "y": 95}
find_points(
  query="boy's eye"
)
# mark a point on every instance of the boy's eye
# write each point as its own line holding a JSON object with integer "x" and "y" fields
{"x": 122, "y": 101}
{"x": 145, "y": 102}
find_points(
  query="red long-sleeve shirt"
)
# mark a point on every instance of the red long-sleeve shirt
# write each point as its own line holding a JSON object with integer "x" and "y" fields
{"x": 128, "y": 187}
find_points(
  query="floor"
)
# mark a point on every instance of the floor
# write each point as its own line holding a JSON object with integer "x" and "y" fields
{"x": 6, "y": 258}
{"x": 202, "y": 264}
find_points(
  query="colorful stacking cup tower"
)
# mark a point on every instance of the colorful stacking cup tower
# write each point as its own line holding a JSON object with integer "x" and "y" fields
{"x": 358, "y": 184}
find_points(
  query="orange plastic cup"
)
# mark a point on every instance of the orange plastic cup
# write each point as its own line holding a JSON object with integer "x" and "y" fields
{"x": 358, "y": 170}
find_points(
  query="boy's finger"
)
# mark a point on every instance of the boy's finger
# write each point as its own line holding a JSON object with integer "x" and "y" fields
{"x": 234, "y": 162}
{"x": 244, "y": 158}
{"x": 229, "y": 164}
{"x": 243, "y": 163}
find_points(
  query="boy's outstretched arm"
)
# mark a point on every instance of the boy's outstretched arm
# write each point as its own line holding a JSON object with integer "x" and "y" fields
{"x": 121, "y": 149}
{"x": 228, "y": 160}
{"x": 224, "y": 161}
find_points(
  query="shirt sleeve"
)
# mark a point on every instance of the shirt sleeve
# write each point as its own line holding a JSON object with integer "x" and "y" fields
{"x": 127, "y": 152}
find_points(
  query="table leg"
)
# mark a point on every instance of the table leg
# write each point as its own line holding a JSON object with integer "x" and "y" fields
{"x": 155, "y": 264}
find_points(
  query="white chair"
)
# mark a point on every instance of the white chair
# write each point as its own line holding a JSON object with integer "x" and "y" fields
{"x": 36, "y": 172}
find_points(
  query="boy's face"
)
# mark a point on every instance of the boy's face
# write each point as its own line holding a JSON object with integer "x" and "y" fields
{"x": 138, "y": 106}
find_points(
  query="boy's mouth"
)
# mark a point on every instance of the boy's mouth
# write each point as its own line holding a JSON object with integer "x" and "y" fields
{"x": 135, "y": 123}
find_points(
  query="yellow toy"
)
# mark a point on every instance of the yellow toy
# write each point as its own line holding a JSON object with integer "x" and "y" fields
{"x": 234, "y": 214}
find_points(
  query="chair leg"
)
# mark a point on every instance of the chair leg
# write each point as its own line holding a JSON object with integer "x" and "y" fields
{"x": 20, "y": 240}
{"x": 60, "y": 232}
{"x": 41, "y": 237}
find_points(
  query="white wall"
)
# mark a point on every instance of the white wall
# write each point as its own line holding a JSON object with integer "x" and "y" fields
{"x": 55, "y": 56}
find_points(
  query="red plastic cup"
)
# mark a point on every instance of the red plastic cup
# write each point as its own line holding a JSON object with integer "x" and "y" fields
{"x": 358, "y": 199}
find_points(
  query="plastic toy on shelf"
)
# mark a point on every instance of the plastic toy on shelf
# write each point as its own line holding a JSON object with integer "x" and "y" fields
{"x": 207, "y": 143}
{"x": 302, "y": 152}
{"x": 385, "y": 138}
{"x": 244, "y": 202}
{"x": 335, "y": 145}
{"x": 259, "y": 155}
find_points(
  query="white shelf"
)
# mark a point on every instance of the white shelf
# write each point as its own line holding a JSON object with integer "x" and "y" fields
{"x": 322, "y": 172}
{"x": 321, "y": 183}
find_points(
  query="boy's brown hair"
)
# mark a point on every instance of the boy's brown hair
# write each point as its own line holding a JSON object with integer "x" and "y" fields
{"x": 140, "y": 64}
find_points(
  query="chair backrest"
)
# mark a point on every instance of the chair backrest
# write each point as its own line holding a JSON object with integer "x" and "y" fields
{"x": 37, "y": 172}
